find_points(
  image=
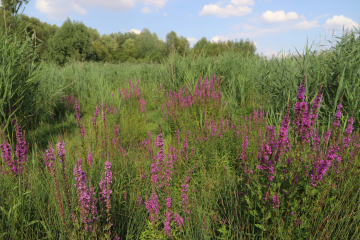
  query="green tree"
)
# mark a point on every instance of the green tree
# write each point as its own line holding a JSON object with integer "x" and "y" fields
{"x": 101, "y": 52}
{"x": 71, "y": 41}
{"x": 129, "y": 50}
{"x": 148, "y": 42}
{"x": 202, "y": 45}
{"x": 110, "y": 44}
{"x": 179, "y": 44}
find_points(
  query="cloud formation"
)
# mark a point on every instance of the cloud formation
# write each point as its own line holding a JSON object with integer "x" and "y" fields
{"x": 146, "y": 9}
{"x": 251, "y": 31}
{"x": 278, "y": 16}
{"x": 60, "y": 9}
{"x": 238, "y": 8}
{"x": 242, "y": 2}
{"x": 135, "y": 31}
{"x": 191, "y": 40}
{"x": 336, "y": 24}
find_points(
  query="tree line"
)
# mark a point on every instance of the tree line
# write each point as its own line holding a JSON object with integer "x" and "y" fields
{"x": 74, "y": 40}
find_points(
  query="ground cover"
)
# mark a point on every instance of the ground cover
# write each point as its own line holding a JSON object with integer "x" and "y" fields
{"x": 158, "y": 164}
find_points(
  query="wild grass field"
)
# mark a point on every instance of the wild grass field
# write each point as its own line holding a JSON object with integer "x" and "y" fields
{"x": 226, "y": 147}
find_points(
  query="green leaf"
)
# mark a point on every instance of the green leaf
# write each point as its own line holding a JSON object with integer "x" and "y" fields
{"x": 260, "y": 226}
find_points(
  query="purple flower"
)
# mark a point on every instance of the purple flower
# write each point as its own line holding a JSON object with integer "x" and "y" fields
{"x": 21, "y": 151}
{"x": 184, "y": 195}
{"x": 152, "y": 206}
{"x": 350, "y": 127}
{"x": 96, "y": 114}
{"x": 49, "y": 158}
{"x": 283, "y": 141}
{"x": 338, "y": 115}
{"x": 86, "y": 197}
{"x": 327, "y": 135}
{"x": 90, "y": 158}
{"x": 244, "y": 147}
{"x": 105, "y": 186}
{"x": 178, "y": 220}
{"x": 167, "y": 227}
{"x": 276, "y": 201}
{"x": 77, "y": 108}
{"x": 6, "y": 154}
{"x": 61, "y": 151}
{"x": 168, "y": 202}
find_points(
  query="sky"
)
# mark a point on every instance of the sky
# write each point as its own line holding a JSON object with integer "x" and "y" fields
{"x": 273, "y": 25}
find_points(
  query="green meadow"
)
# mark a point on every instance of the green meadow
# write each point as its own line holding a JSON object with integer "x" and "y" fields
{"x": 195, "y": 147}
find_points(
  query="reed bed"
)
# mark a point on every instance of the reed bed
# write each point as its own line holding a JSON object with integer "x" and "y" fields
{"x": 251, "y": 149}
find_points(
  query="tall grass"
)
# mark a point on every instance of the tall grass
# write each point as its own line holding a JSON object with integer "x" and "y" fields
{"x": 246, "y": 82}
{"x": 215, "y": 177}
{"x": 161, "y": 151}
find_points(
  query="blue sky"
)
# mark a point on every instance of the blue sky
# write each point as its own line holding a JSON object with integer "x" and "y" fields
{"x": 274, "y": 25}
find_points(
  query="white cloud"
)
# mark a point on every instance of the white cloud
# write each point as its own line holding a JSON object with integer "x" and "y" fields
{"x": 60, "y": 9}
{"x": 336, "y": 23}
{"x": 229, "y": 10}
{"x": 251, "y": 31}
{"x": 215, "y": 39}
{"x": 154, "y": 3}
{"x": 279, "y": 16}
{"x": 242, "y": 2}
{"x": 135, "y": 31}
{"x": 76, "y": 8}
{"x": 146, "y": 9}
{"x": 165, "y": 14}
{"x": 189, "y": 15}
{"x": 306, "y": 25}
{"x": 191, "y": 40}
{"x": 220, "y": 38}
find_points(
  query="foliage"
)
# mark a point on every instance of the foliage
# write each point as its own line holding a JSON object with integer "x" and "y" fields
{"x": 71, "y": 41}
{"x": 19, "y": 82}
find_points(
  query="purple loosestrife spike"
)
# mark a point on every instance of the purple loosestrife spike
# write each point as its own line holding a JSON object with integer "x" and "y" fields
{"x": 184, "y": 195}
{"x": 276, "y": 201}
{"x": 57, "y": 189}
{"x": 105, "y": 186}
{"x": 93, "y": 207}
{"x": 49, "y": 158}
{"x": 90, "y": 158}
{"x": 348, "y": 131}
{"x": 82, "y": 193}
{"x": 338, "y": 115}
{"x": 168, "y": 202}
{"x": 6, "y": 154}
{"x": 327, "y": 135}
{"x": 316, "y": 142}
{"x": 178, "y": 220}
{"x": 167, "y": 227}
{"x": 21, "y": 151}
{"x": 299, "y": 106}
{"x": 283, "y": 141}
{"x": 167, "y": 221}
{"x": 61, "y": 151}
{"x": 244, "y": 147}
{"x": 78, "y": 115}
{"x": 153, "y": 206}
{"x": 96, "y": 114}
